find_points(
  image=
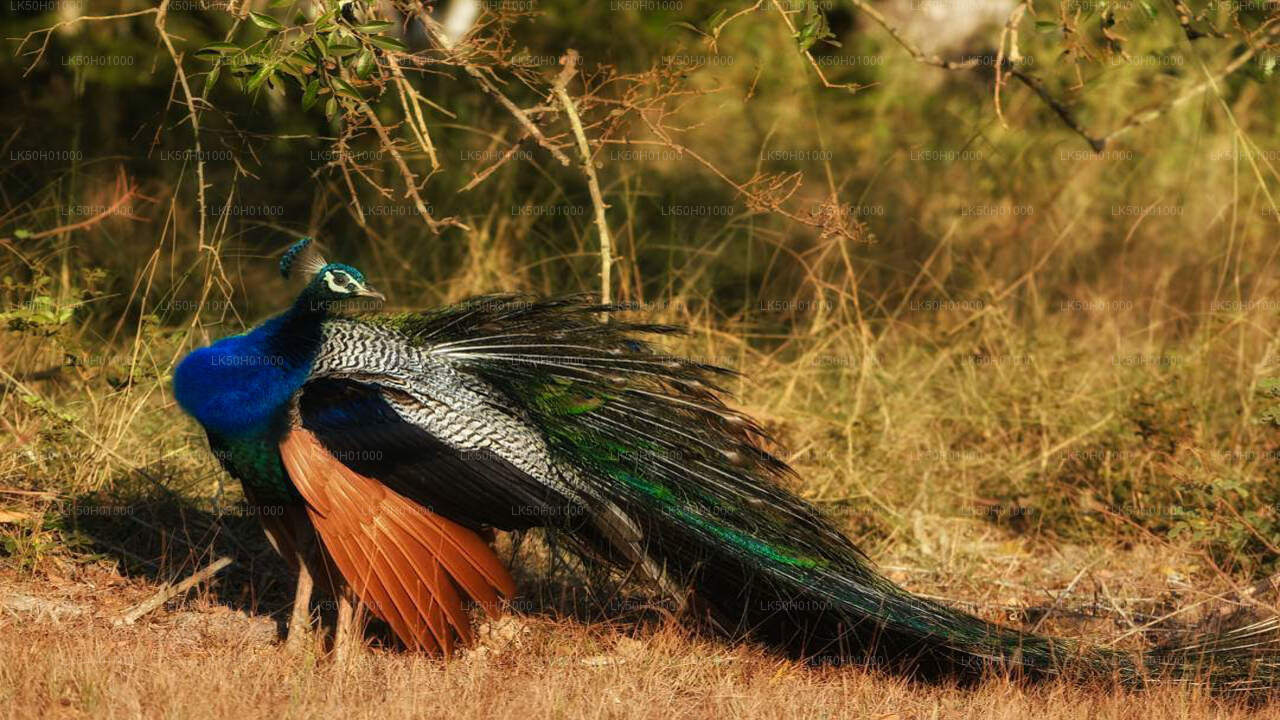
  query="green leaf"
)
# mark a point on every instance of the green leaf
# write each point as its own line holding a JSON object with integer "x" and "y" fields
{"x": 303, "y": 58}
{"x": 716, "y": 17}
{"x": 214, "y": 74}
{"x": 264, "y": 72}
{"x": 806, "y": 37}
{"x": 375, "y": 27}
{"x": 341, "y": 50}
{"x": 1151, "y": 12}
{"x": 814, "y": 29}
{"x": 1045, "y": 26}
{"x": 343, "y": 87}
{"x": 331, "y": 107}
{"x": 309, "y": 97}
{"x": 280, "y": 3}
{"x": 266, "y": 22}
{"x": 364, "y": 65}
{"x": 388, "y": 43}
{"x": 218, "y": 48}
{"x": 22, "y": 234}
{"x": 291, "y": 68}
{"x": 686, "y": 26}
{"x": 310, "y": 53}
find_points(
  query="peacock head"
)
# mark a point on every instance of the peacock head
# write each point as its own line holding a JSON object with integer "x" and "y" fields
{"x": 331, "y": 287}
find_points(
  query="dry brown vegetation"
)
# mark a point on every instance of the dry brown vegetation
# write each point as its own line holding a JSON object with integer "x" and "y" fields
{"x": 66, "y": 660}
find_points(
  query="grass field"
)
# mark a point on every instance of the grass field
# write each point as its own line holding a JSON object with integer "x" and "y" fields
{"x": 1029, "y": 379}
{"x": 205, "y": 661}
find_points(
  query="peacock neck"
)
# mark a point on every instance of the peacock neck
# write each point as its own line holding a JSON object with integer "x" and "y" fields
{"x": 293, "y": 336}
{"x": 287, "y": 345}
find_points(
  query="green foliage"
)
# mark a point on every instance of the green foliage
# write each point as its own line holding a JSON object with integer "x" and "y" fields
{"x": 1269, "y": 394}
{"x": 35, "y": 308}
{"x": 813, "y": 28}
{"x": 1141, "y": 475}
{"x": 326, "y": 58}
{"x": 28, "y": 543}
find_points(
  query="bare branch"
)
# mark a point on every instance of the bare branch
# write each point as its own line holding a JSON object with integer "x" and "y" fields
{"x": 570, "y": 62}
{"x": 169, "y": 592}
{"x": 162, "y": 15}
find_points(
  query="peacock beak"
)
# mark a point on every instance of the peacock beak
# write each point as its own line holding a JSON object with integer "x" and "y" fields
{"x": 369, "y": 292}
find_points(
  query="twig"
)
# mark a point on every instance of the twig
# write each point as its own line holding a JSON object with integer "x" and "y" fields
{"x": 1057, "y": 602}
{"x": 851, "y": 87}
{"x": 1064, "y": 112}
{"x": 1237, "y": 603}
{"x": 161, "y": 16}
{"x": 1032, "y": 82}
{"x": 521, "y": 117}
{"x": 506, "y": 155}
{"x": 411, "y": 99}
{"x": 1009, "y": 34}
{"x": 570, "y": 62}
{"x": 410, "y": 180}
{"x": 48, "y": 32}
{"x": 127, "y": 195}
{"x": 1185, "y": 18}
{"x": 823, "y": 222}
{"x": 1098, "y": 143}
{"x": 1240, "y": 61}
{"x": 519, "y": 114}
{"x": 170, "y": 591}
{"x": 909, "y": 46}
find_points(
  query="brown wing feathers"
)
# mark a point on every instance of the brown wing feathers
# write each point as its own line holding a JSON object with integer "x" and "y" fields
{"x": 412, "y": 567}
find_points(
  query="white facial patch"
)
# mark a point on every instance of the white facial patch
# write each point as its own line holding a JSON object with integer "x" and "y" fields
{"x": 333, "y": 284}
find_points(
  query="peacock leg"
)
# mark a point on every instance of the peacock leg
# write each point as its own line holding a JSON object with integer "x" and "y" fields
{"x": 349, "y": 628}
{"x": 300, "y": 618}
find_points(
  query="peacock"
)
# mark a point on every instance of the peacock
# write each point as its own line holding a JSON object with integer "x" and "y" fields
{"x": 393, "y": 443}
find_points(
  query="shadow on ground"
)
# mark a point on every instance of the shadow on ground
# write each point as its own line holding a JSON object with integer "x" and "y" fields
{"x": 161, "y": 535}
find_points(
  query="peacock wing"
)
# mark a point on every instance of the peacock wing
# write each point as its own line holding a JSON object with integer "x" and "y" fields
{"x": 414, "y": 567}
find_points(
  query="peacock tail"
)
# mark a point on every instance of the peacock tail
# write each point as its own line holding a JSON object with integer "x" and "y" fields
{"x": 641, "y": 450}
{"x": 402, "y": 437}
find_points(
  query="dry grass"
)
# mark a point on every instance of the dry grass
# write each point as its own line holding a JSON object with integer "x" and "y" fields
{"x": 210, "y": 662}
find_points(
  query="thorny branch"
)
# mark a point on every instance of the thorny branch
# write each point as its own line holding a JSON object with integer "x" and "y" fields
{"x": 410, "y": 179}
{"x": 48, "y": 31}
{"x": 437, "y": 33}
{"x": 1009, "y": 35}
{"x": 162, "y": 16}
{"x": 973, "y": 63}
{"x": 570, "y": 61}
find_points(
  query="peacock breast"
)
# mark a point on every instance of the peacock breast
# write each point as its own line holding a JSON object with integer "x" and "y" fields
{"x": 237, "y": 386}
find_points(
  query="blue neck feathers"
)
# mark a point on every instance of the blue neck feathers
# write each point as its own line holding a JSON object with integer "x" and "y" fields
{"x": 242, "y": 385}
